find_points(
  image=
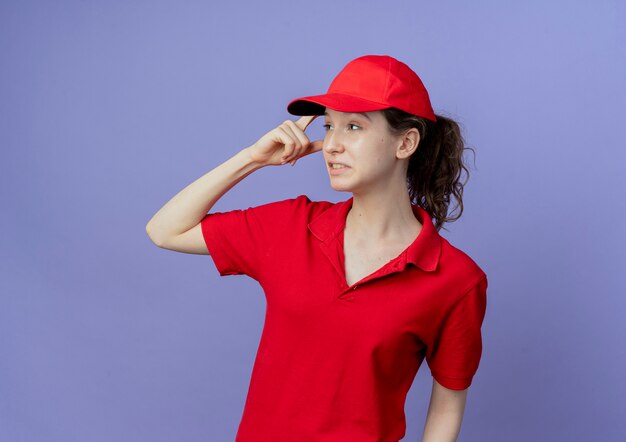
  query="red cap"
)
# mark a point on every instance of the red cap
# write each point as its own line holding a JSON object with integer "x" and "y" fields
{"x": 370, "y": 83}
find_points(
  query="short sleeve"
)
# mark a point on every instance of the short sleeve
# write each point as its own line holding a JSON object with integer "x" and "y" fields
{"x": 455, "y": 354}
{"x": 237, "y": 240}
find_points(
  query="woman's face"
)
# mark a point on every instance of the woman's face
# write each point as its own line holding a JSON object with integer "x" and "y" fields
{"x": 364, "y": 145}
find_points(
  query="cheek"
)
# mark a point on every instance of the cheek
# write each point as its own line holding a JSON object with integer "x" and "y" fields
{"x": 384, "y": 157}
{"x": 378, "y": 161}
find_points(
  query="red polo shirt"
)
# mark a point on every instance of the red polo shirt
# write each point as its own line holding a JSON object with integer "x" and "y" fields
{"x": 335, "y": 362}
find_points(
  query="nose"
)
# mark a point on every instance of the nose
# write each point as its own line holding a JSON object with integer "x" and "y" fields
{"x": 333, "y": 142}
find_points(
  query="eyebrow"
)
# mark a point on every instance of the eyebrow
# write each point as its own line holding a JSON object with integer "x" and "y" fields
{"x": 353, "y": 113}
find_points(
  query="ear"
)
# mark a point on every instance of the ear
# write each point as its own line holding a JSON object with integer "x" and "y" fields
{"x": 408, "y": 143}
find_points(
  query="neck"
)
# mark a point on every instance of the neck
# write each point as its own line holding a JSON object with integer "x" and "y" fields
{"x": 382, "y": 216}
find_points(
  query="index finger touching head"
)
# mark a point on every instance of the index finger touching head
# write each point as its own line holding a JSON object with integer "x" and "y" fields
{"x": 303, "y": 122}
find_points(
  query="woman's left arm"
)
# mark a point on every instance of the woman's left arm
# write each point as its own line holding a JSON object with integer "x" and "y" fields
{"x": 445, "y": 414}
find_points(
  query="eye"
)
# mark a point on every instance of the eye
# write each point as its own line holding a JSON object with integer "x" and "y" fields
{"x": 353, "y": 126}
{"x": 326, "y": 127}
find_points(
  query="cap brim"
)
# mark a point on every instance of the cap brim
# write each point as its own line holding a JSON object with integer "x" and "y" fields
{"x": 317, "y": 104}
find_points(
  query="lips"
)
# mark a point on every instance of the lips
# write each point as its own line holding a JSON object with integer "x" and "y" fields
{"x": 331, "y": 165}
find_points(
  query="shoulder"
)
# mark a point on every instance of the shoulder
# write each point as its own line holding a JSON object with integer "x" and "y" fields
{"x": 463, "y": 269}
{"x": 299, "y": 208}
{"x": 301, "y": 202}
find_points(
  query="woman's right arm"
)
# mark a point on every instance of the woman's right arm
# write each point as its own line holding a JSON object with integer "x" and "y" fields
{"x": 176, "y": 226}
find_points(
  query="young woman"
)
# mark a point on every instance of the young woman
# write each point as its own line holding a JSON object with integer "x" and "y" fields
{"x": 358, "y": 292}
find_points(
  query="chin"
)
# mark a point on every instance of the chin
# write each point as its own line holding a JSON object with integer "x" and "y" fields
{"x": 340, "y": 187}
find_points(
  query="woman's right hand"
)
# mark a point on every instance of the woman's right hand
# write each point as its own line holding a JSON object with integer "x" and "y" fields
{"x": 284, "y": 144}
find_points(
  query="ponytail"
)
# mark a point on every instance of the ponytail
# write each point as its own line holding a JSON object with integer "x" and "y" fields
{"x": 435, "y": 168}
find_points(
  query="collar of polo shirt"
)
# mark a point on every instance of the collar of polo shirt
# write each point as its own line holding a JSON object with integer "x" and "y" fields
{"x": 424, "y": 251}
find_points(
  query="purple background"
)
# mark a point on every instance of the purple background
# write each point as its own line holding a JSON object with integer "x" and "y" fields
{"x": 108, "y": 109}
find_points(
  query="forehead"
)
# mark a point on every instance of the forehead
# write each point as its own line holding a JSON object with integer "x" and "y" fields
{"x": 336, "y": 114}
